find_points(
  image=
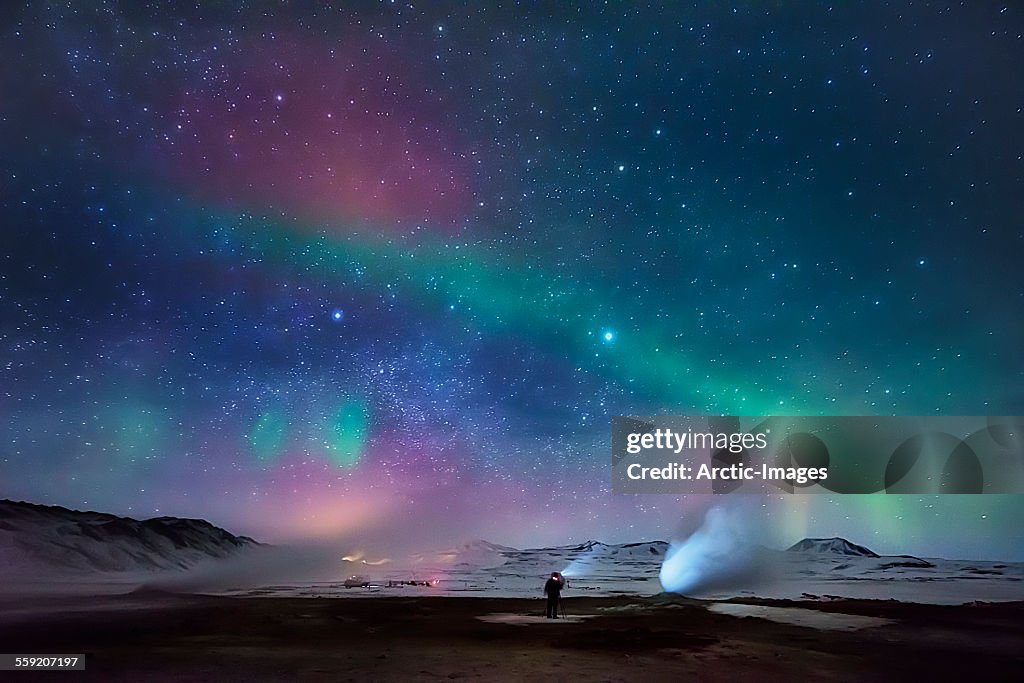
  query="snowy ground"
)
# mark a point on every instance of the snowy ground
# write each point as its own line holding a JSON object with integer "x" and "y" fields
{"x": 633, "y": 569}
{"x": 56, "y": 551}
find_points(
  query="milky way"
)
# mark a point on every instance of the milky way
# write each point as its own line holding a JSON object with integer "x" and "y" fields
{"x": 389, "y": 270}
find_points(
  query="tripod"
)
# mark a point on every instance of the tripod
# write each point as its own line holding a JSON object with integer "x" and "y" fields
{"x": 561, "y": 607}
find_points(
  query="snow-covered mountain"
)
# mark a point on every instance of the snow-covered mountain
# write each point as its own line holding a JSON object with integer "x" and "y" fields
{"x": 835, "y": 545}
{"x": 51, "y": 539}
{"x": 811, "y": 569}
{"x": 40, "y": 543}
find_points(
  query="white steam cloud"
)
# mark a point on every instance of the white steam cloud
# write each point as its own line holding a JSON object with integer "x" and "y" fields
{"x": 725, "y": 552}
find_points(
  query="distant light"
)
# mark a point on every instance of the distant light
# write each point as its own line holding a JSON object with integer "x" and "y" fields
{"x": 608, "y": 336}
{"x": 279, "y": 97}
{"x": 621, "y": 168}
{"x": 337, "y": 315}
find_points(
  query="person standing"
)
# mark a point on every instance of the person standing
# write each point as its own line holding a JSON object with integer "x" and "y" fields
{"x": 553, "y": 589}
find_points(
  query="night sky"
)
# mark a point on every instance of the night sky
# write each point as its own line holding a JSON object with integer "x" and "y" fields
{"x": 386, "y": 272}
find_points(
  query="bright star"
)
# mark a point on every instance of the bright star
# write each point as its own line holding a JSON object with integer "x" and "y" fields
{"x": 608, "y": 336}
{"x": 337, "y": 315}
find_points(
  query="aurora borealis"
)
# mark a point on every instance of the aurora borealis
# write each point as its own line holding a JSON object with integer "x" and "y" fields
{"x": 387, "y": 271}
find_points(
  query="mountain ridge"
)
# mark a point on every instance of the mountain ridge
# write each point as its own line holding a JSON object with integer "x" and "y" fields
{"x": 835, "y": 545}
{"x": 55, "y": 538}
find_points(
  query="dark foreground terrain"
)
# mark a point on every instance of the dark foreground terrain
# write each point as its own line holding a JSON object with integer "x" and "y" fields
{"x": 155, "y": 636}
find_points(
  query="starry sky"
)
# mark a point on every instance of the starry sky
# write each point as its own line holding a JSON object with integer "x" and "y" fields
{"x": 387, "y": 270}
